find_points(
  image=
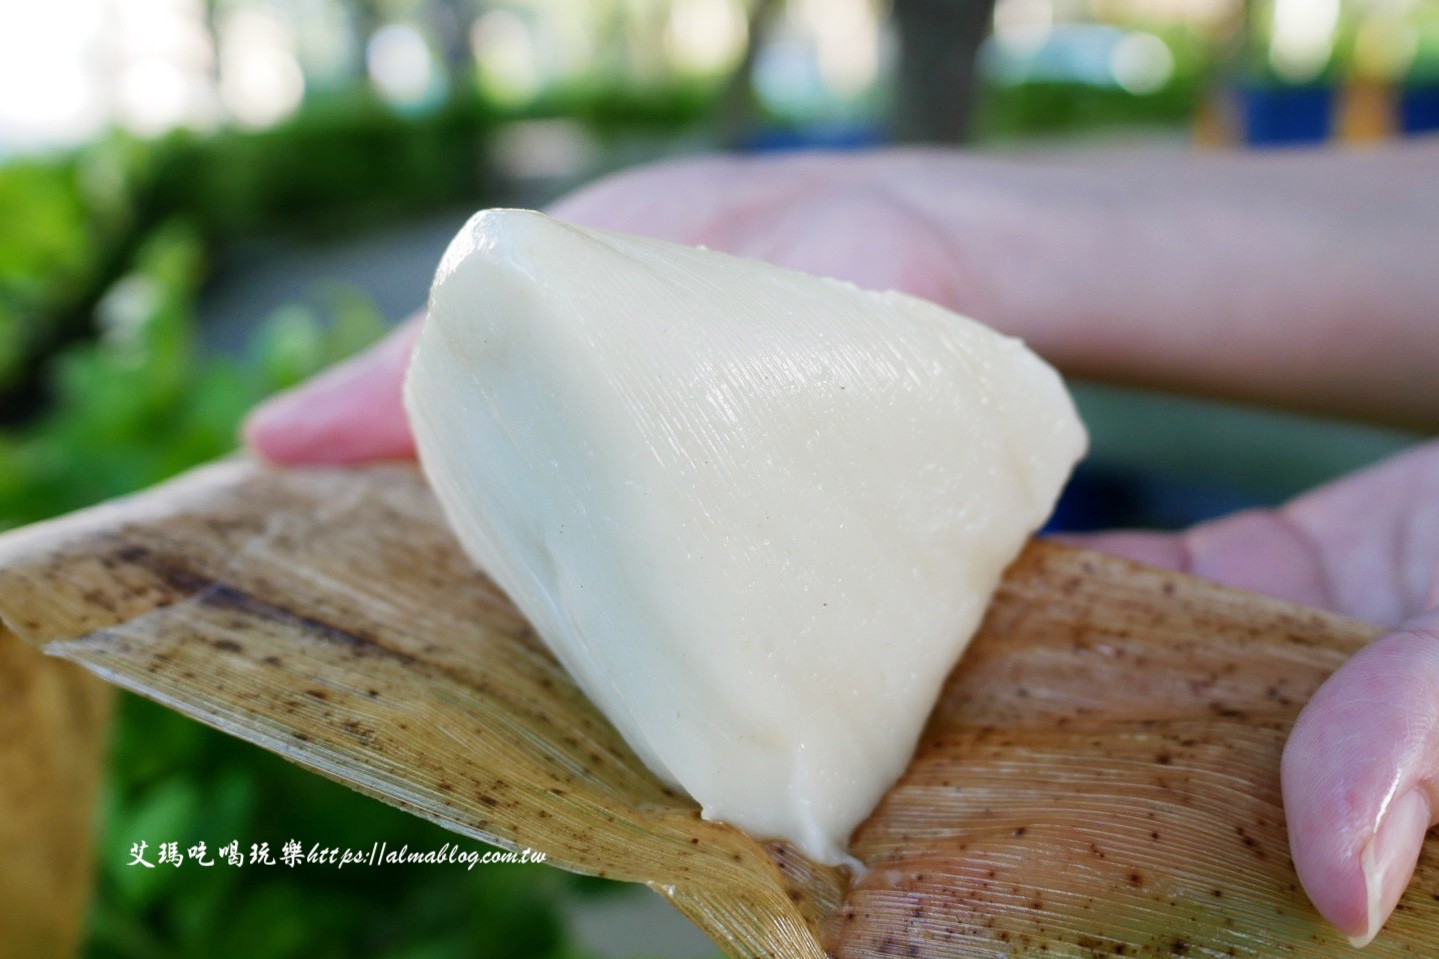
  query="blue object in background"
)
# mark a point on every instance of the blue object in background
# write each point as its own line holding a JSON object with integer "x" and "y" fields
{"x": 1274, "y": 116}
{"x": 1419, "y": 108}
{"x": 832, "y": 136}
{"x": 1094, "y": 499}
{"x": 1109, "y": 497}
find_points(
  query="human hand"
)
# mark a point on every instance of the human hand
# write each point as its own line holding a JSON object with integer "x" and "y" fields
{"x": 1093, "y": 278}
{"x": 1361, "y": 767}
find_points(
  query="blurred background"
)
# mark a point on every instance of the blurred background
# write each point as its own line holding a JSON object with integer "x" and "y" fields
{"x": 203, "y": 201}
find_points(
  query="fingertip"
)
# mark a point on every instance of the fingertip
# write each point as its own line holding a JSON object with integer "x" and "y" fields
{"x": 269, "y": 431}
{"x": 318, "y": 424}
{"x": 351, "y": 413}
{"x": 254, "y": 433}
{"x": 1356, "y": 775}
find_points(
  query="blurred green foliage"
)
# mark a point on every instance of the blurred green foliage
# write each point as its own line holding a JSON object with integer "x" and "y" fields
{"x": 1397, "y": 43}
{"x": 63, "y": 226}
{"x": 612, "y": 110}
{"x": 343, "y": 162}
{"x": 140, "y": 402}
{"x": 1048, "y": 108}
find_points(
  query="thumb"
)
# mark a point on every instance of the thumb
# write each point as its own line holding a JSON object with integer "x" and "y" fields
{"x": 1361, "y": 777}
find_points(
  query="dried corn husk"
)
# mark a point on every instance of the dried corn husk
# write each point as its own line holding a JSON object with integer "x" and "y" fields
{"x": 1100, "y": 777}
{"x": 53, "y": 720}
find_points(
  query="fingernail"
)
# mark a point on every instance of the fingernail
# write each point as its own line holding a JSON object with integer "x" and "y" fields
{"x": 1389, "y": 859}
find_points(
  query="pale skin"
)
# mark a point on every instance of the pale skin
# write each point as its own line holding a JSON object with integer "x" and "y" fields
{"x": 1309, "y": 281}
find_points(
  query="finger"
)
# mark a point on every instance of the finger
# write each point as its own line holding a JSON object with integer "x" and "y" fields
{"x": 640, "y": 200}
{"x": 348, "y": 414}
{"x": 1361, "y": 778}
{"x": 1260, "y": 550}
